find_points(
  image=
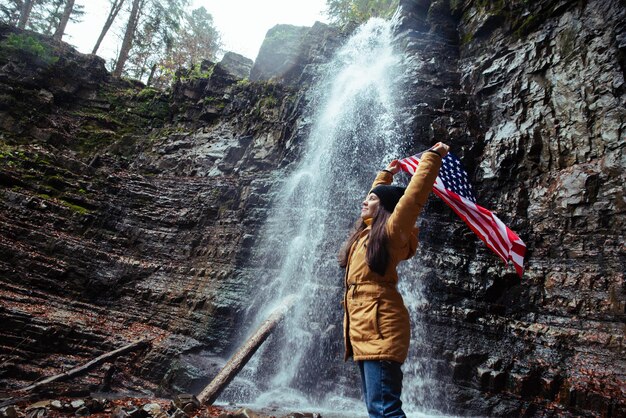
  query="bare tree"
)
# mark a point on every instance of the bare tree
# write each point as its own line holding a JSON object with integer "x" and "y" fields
{"x": 127, "y": 43}
{"x": 27, "y": 6}
{"x": 116, "y": 6}
{"x": 69, "y": 6}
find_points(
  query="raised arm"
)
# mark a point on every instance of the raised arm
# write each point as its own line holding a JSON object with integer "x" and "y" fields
{"x": 402, "y": 220}
{"x": 384, "y": 177}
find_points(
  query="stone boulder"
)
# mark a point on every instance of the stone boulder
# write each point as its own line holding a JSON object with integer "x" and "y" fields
{"x": 292, "y": 54}
{"x": 48, "y": 71}
{"x": 236, "y": 65}
{"x": 278, "y": 52}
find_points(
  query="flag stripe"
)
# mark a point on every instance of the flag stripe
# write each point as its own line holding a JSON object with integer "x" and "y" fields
{"x": 516, "y": 249}
{"x": 486, "y": 218}
{"x": 476, "y": 225}
{"x": 485, "y": 221}
{"x": 517, "y": 258}
{"x": 408, "y": 166}
{"x": 453, "y": 187}
{"x": 497, "y": 227}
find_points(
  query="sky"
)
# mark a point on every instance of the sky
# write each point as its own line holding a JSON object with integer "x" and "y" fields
{"x": 241, "y": 23}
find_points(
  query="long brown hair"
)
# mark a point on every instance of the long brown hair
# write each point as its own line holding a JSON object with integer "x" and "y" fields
{"x": 377, "y": 254}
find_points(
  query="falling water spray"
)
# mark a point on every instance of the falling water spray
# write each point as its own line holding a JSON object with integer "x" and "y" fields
{"x": 355, "y": 132}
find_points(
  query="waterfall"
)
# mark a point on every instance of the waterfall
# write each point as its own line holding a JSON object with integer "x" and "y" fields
{"x": 355, "y": 131}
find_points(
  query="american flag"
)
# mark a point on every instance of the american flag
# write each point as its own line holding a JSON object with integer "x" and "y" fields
{"x": 453, "y": 186}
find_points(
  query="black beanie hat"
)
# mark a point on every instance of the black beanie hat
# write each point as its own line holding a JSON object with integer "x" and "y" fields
{"x": 388, "y": 195}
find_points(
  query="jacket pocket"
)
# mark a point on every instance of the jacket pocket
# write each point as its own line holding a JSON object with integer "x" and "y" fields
{"x": 363, "y": 319}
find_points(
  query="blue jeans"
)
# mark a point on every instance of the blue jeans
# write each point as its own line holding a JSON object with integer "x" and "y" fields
{"x": 382, "y": 386}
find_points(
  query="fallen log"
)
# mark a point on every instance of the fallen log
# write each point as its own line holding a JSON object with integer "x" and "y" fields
{"x": 77, "y": 371}
{"x": 13, "y": 401}
{"x": 211, "y": 392}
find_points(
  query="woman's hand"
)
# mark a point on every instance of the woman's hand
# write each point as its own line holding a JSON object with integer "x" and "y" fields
{"x": 393, "y": 167}
{"x": 441, "y": 149}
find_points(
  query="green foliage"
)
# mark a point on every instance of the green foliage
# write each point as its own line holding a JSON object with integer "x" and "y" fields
{"x": 215, "y": 102}
{"x": 467, "y": 38}
{"x": 154, "y": 37}
{"x": 196, "y": 72}
{"x": 28, "y": 45}
{"x": 153, "y": 108}
{"x": 527, "y": 25}
{"x": 105, "y": 118}
{"x": 43, "y": 178}
{"x": 170, "y": 38}
{"x": 9, "y": 152}
{"x": 359, "y": 11}
{"x": 14, "y": 155}
{"x": 148, "y": 93}
{"x": 74, "y": 207}
{"x": 64, "y": 202}
{"x": 44, "y": 17}
{"x": 269, "y": 101}
{"x": 199, "y": 39}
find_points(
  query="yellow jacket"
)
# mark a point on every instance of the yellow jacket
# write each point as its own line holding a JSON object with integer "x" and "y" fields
{"x": 376, "y": 322}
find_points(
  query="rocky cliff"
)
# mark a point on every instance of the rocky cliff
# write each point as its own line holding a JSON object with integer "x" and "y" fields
{"x": 125, "y": 210}
{"x": 533, "y": 94}
{"x": 128, "y": 213}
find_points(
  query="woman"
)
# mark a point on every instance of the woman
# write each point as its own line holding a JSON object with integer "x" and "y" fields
{"x": 376, "y": 322}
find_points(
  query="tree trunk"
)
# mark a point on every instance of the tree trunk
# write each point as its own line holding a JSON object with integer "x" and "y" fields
{"x": 151, "y": 76}
{"x": 77, "y": 371}
{"x": 210, "y": 393}
{"x": 116, "y": 6}
{"x": 127, "y": 43}
{"x": 25, "y": 13}
{"x": 69, "y": 6}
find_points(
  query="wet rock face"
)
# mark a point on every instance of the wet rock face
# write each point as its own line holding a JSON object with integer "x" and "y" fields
{"x": 532, "y": 96}
{"x": 125, "y": 214}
